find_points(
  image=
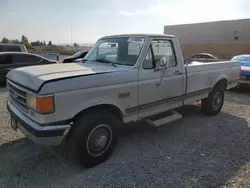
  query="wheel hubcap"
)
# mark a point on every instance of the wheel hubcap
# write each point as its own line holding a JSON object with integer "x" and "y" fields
{"x": 217, "y": 101}
{"x": 99, "y": 140}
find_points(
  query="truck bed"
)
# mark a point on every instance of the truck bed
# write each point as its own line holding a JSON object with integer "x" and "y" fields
{"x": 199, "y": 60}
{"x": 202, "y": 76}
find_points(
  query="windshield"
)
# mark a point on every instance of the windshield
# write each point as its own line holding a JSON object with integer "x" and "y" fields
{"x": 242, "y": 58}
{"x": 117, "y": 50}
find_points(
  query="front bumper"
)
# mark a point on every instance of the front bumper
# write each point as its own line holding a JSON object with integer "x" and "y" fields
{"x": 40, "y": 134}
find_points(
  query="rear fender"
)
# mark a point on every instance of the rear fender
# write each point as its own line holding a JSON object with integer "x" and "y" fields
{"x": 221, "y": 81}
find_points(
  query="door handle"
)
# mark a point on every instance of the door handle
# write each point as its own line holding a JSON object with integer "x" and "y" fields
{"x": 177, "y": 72}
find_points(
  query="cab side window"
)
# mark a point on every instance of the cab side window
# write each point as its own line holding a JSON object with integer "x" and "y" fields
{"x": 25, "y": 58}
{"x": 164, "y": 48}
{"x": 11, "y": 48}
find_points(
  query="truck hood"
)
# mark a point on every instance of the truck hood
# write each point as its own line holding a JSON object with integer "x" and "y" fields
{"x": 34, "y": 76}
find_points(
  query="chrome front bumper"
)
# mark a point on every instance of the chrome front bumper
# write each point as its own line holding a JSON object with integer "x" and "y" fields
{"x": 40, "y": 134}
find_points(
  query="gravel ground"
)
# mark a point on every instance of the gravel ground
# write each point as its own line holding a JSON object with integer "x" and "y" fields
{"x": 197, "y": 151}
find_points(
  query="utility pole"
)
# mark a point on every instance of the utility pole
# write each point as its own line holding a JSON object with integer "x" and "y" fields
{"x": 71, "y": 36}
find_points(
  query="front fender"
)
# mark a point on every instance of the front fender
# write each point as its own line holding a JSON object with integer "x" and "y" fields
{"x": 94, "y": 103}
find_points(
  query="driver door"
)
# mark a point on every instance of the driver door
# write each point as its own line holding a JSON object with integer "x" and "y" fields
{"x": 160, "y": 89}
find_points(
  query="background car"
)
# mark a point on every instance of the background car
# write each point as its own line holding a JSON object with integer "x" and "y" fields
{"x": 76, "y": 57}
{"x": 13, "y": 48}
{"x": 203, "y": 56}
{"x": 245, "y": 69}
{"x": 11, "y": 60}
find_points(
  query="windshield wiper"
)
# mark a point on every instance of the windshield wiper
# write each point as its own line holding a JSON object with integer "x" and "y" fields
{"x": 105, "y": 61}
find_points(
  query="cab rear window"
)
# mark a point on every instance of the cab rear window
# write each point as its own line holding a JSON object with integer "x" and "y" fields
{"x": 11, "y": 48}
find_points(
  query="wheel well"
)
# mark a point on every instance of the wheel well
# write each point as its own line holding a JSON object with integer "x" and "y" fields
{"x": 107, "y": 107}
{"x": 222, "y": 83}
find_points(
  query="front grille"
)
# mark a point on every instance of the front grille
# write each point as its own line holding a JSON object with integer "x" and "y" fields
{"x": 18, "y": 96}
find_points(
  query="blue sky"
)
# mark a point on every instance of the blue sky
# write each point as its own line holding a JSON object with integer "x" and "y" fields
{"x": 51, "y": 19}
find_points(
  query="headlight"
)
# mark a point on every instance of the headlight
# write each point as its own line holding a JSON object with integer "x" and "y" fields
{"x": 42, "y": 105}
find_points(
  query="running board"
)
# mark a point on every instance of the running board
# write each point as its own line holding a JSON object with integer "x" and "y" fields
{"x": 173, "y": 116}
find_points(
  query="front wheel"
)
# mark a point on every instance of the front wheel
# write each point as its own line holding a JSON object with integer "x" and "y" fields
{"x": 93, "y": 138}
{"x": 213, "y": 103}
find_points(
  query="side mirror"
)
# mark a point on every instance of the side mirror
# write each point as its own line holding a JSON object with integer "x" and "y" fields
{"x": 162, "y": 63}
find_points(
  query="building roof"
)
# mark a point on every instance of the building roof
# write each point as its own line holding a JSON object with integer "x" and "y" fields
{"x": 212, "y": 22}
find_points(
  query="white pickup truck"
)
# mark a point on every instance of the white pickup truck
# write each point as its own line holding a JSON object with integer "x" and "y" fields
{"x": 124, "y": 78}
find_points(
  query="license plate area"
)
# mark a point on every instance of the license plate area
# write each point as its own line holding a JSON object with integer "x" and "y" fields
{"x": 14, "y": 124}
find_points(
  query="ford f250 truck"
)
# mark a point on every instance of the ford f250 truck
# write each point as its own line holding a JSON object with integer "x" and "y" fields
{"x": 124, "y": 78}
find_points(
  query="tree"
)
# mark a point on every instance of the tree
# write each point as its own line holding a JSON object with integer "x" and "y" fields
{"x": 50, "y": 43}
{"x": 37, "y": 43}
{"x": 15, "y": 41}
{"x": 24, "y": 39}
{"x": 28, "y": 45}
{"x": 44, "y": 43}
{"x": 5, "y": 40}
{"x": 76, "y": 45}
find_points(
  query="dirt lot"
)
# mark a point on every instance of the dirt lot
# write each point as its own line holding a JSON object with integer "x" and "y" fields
{"x": 197, "y": 151}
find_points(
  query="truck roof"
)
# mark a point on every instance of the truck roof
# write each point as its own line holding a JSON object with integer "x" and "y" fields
{"x": 140, "y": 35}
{"x": 6, "y": 44}
{"x": 15, "y": 53}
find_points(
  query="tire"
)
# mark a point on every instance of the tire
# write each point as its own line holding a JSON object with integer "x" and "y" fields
{"x": 82, "y": 145}
{"x": 213, "y": 103}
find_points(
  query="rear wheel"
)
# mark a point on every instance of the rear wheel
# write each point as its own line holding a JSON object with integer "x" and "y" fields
{"x": 93, "y": 139}
{"x": 213, "y": 103}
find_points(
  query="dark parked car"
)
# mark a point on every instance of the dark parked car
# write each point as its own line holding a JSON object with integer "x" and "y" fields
{"x": 11, "y": 60}
{"x": 76, "y": 57}
{"x": 202, "y": 58}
